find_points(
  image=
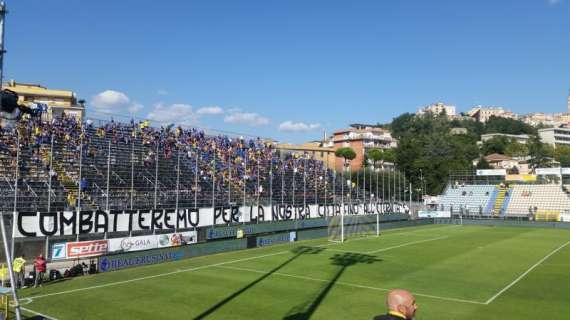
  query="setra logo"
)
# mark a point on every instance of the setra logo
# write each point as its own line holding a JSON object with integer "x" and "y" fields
{"x": 86, "y": 248}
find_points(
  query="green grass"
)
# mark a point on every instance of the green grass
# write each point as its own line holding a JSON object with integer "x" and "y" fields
{"x": 453, "y": 270}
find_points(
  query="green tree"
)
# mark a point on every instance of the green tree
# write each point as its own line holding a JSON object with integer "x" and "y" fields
{"x": 400, "y": 124}
{"x": 516, "y": 149}
{"x": 508, "y": 126}
{"x": 426, "y": 148}
{"x": 541, "y": 154}
{"x": 346, "y": 153}
{"x": 495, "y": 145}
{"x": 375, "y": 155}
{"x": 389, "y": 155}
{"x": 562, "y": 155}
{"x": 483, "y": 164}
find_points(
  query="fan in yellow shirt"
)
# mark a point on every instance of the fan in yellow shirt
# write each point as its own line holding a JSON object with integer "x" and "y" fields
{"x": 19, "y": 267}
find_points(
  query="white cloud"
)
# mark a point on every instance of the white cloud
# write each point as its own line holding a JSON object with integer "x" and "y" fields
{"x": 111, "y": 101}
{"x": 248, "y": 118}
{"x": 178, "y": 113}
{"x": 234, "y": 110}
{"x": 162, "y": 92}
{"x": 135, "y": 107}
{"x": 290, "y": 126}
{"x": 210, "y": 110}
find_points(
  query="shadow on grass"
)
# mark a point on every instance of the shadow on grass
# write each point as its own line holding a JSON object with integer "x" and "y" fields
{"x": 344, "y": 261}
{"x": 297, "y": 251}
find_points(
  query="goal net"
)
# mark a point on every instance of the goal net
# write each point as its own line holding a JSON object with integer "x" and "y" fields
{"x": 345, "y": 227}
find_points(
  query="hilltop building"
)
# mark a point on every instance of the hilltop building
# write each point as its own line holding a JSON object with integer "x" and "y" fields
{"x": 58, "y": 101}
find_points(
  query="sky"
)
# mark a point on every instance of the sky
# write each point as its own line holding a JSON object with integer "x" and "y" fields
{"x": 292, "y": 70}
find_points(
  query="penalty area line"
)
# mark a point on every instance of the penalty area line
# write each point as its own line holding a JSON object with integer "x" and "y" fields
{"x": 348, "y": 284}
{"x": 155, "y": 276}
{"x": 116, "y": 283}
{"x": 407, "y": 244}
{"x": 526, "y": 272}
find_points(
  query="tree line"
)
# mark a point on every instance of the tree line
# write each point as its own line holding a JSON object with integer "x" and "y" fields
{"x": 428, "y": 150}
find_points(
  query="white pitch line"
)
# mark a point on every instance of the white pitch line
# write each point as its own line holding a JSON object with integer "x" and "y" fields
{"x": 406, "y": 244}
{"x": 346, "y": 251}
{"x": 37, "y": 313}
{"x": 181, "y": 270}
{"x": 347, "y": 284}
{"x": 155, "y": 276}
{"x": 389, "y": 232}
{"x": 525, "y": 273}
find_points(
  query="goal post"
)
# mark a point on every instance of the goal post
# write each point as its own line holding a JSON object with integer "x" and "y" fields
{"x": 344, "y": 227}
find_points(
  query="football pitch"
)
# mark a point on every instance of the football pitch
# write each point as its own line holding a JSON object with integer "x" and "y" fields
{"x": 455, "y": 272}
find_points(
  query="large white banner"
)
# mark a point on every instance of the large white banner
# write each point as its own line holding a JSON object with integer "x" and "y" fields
{"x": 492, "y": 172}
{"x": 548, "y": 171}
{"x": 434, "y": 214}
{"x": 40, "y": 224}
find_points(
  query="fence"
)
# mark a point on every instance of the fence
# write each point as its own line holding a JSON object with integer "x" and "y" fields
{"x": 99, "y": 173}
{"x": 72, "y": 167}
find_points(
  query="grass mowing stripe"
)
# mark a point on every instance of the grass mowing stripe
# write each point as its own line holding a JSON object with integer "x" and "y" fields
{"x": 525, "y": 273}
{"x": 405, "y": 244}
{"x": 37, "y": 313}
{"x": 347, "y": 284}
{"x": 200, "y": 268}
{"x": 156, "y": 275}
{"x": 348, "y": 251}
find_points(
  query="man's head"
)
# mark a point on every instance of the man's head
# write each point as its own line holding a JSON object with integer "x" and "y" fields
{"x": 402, "y": 302}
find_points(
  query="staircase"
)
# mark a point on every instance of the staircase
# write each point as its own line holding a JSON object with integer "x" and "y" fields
{"x": 70, "y": 185}
{"x": 501, "y": 200}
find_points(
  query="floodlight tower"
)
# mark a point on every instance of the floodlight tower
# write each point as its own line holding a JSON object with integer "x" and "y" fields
{"x": 8, "y": 256}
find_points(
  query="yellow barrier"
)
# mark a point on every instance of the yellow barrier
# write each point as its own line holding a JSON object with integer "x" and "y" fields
{"x": 4, "y": 273}
{"x": 4, "y": 303}
{"x": 547, "y": 215}
{"x": 521, "y": 177}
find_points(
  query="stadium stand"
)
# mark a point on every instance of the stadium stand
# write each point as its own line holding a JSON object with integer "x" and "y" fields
{"x": 148, "y": 167}
{"x": 514, "y": 200}
{"x": 473, "y": 198}
{"x": 527, "y": 199}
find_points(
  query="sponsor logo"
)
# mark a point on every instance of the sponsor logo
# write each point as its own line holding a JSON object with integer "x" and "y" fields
{"x": 86, "y": 248}
{"x": 270, "y": 240}
{"x": 163, "y": 240}
{"x": 104, "y": 265}
{"x": 58, "y": 251}
{"x": 175, "y": 240}
{"x": 134, "y": 244}
{"x": 122, "y": 262}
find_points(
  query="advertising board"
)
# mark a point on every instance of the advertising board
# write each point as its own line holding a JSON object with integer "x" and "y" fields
{"x": 139, "y": 243}
{"x": 81, "y": 249}
{"x": 434, "y": 214}
{"x": 128, "y": 244}
{"x": 123, "y": 261}
{"x": 491, "y": 172}
{"x": 85, "y": 249}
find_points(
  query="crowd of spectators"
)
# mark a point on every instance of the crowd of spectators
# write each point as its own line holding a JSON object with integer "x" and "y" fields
{"x": 222, "y": 162}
